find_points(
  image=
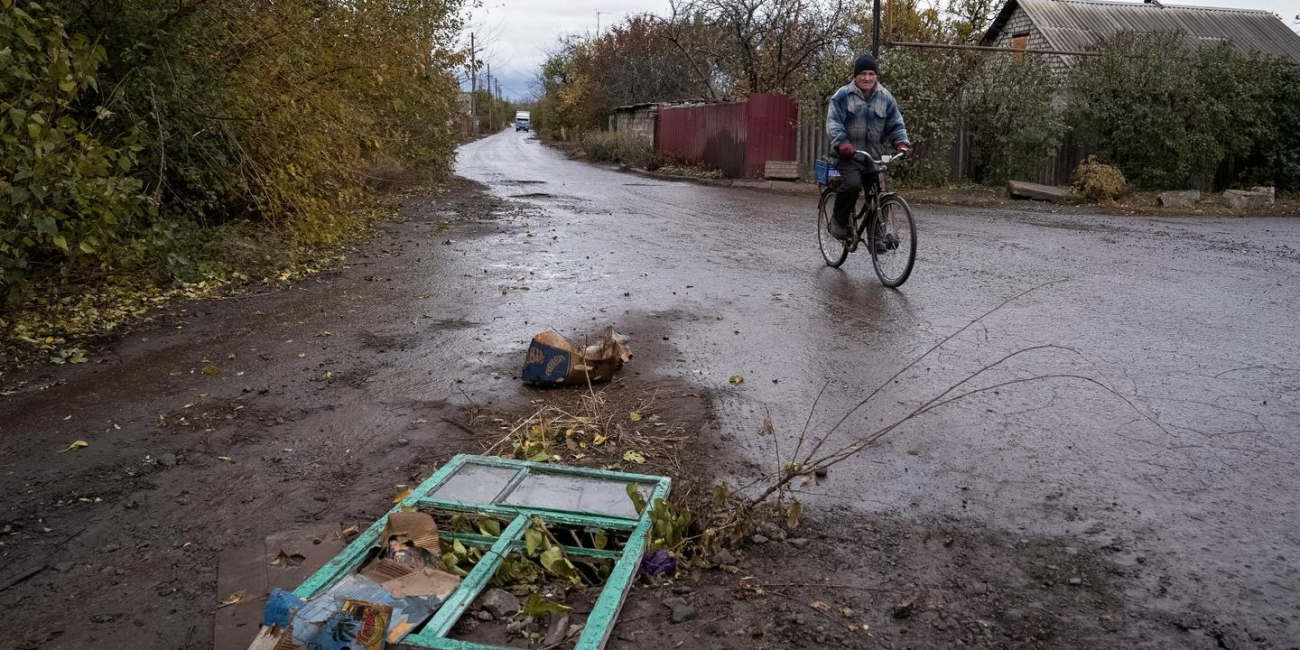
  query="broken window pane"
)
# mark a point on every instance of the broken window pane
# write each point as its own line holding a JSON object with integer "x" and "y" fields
{"x": 475, "y": 484}
{"x": 575, "y": 494}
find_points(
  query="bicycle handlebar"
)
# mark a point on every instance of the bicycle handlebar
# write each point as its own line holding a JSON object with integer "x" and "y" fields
{"x": 882, "y": 161}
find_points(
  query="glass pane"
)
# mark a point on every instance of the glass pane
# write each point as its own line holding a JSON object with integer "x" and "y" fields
{"x": 575, "y": 494}
{"x": 475, "y": 484}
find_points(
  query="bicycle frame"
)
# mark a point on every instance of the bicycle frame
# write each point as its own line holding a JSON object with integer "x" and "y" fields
{"x": 874, "y": 195}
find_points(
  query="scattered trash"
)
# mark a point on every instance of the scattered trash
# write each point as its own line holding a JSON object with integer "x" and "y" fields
{"x": 657, "y": 563}
{"x": 411, "y": 538}
{"x": 398, "y": 583}
{"x": 903, "y": 609}
{"x": 554, "y": 360}
{"x": 272, "y": 638}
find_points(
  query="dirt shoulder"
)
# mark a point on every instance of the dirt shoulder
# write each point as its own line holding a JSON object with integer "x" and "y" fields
{"x": 220, "y": 423}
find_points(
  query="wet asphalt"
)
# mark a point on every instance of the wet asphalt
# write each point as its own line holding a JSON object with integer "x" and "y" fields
{"x": 1163, "y": 424}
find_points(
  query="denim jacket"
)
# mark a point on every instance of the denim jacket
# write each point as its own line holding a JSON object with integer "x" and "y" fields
{"x": 865, "y": 122}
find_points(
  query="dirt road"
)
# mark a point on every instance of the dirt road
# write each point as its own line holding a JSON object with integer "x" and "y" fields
{"x": 1166, "y": 488}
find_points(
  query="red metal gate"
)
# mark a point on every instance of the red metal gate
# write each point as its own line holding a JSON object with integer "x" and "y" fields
{"x": 735, "y": 137}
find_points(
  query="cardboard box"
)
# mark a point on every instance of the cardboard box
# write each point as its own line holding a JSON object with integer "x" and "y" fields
{"x": 556, "y": 361}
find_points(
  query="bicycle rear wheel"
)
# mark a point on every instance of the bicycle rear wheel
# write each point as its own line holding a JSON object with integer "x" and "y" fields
{"x": 892, "y": 241}
{"x": 834, "y": 251}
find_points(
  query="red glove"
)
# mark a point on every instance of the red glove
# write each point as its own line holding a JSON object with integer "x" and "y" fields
{"x": 846, "y": 150}
{"x": 904, "y": 147}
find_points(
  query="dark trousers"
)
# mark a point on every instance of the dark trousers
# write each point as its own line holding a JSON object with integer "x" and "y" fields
{"x": 852, "y": 176}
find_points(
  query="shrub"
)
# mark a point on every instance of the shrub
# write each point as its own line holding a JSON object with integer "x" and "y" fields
{"x": 68, "y": 194}
{"x": 620, "y": 147}
{"x": 133, "y": 133}
{"x": 1015, "y": 128}
{"x": 1095, "y": 182}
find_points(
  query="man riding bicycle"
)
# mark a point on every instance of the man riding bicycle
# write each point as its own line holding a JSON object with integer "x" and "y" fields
{"x": 862, "y": 116}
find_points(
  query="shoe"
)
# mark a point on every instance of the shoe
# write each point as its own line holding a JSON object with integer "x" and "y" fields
{"x": 886, "y": 243}
{"x": 838, "y": 230}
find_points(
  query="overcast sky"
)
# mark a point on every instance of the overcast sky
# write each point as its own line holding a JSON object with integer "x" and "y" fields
{"x": 515, "y": 35}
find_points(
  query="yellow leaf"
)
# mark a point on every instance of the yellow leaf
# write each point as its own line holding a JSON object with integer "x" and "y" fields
{"x": 75, "y": 446}
{"x": 402, "y": 495}
{"x": 600, "y": 440}
{"x": 736, "y": 379}
{"x": 634, "y": 416}
{"x": 209, "y": 369}
{"x": 634, "y": 456}
{"x": 232, "y": 599}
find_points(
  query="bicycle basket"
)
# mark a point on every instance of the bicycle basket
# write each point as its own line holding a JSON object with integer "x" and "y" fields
{"x": 824, "y": 172}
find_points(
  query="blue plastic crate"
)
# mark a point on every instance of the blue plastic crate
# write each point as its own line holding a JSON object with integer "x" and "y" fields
{"x": 821, "y": 172}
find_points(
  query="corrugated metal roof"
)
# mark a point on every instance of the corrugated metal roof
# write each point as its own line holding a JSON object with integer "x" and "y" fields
{"x": 1083, "y": 25}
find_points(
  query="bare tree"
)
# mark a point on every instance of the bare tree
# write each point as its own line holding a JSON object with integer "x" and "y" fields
{"x": 756, "y": 45}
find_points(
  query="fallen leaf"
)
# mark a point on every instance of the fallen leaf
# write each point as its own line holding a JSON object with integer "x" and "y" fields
{"x": 283, "y": 559}
{"x": 402, "y": 495}
{"x": 228, "y": 459}
{"x": 209, "y": 369}
{"x": 846, "y": 612}
{"x": 600, "y": 440}
{"x": 75, "y": 446}
{"x": 634, "y": 416}
{"x": 818, "y": 605}
{"x": 913, "y": 452}
{"x": 634, "y": 456}
{"x": 794, "y": 514}
{"x": 736, "y": 379}
{"x": 232, "y": 599}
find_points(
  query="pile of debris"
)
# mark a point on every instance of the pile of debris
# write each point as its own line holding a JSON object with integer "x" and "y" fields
{"x": 395, "y": 591}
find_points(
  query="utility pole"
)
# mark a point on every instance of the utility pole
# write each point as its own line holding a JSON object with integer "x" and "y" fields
{"x": 875, "y": 28}
{"x": 492, "y": 108}
{"x": 473, "y": 83}
{"x": 598, "y": 13}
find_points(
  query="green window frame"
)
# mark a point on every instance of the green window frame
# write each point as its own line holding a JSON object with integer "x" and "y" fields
{"x": 600, "y": 621}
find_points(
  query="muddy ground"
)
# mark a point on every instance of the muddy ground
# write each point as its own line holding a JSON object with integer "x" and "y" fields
{"x": 1049, "y": 517}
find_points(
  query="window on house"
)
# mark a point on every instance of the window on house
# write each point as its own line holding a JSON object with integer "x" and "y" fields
{"x": 1019, "y": 42}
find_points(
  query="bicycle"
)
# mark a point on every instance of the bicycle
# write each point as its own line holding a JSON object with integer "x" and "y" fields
{"x": 884, "y": 218}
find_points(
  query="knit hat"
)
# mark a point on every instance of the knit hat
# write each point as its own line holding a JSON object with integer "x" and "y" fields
{"x": 865, "y": 62}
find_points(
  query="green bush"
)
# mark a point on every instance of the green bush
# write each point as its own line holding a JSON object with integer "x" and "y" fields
{"x": 620, "y": 147}
{"x": 1096, "y": 182}
{"x": 926, "y": 84}
{"x": 1171, "y": 116}
{"x": 1014, "y": 126}
{"x": 133, "y": 134}
{"x": 68, "y": 193}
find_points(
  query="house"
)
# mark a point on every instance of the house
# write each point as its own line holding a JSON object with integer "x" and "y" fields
{"x": 637, "y": 119}
{"x": 1086, "y": 25}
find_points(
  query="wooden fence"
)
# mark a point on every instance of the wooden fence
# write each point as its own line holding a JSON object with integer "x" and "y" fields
{"x": 812, "y": 144}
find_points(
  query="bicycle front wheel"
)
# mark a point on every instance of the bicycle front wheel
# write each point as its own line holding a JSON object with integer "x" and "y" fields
{"x": 893, "y": 241}
{"x": 834, "y": 251}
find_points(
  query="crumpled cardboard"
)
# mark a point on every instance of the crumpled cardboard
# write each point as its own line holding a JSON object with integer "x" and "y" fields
{"x": 554, "y": 360}
{"x": 408, "y": 533}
